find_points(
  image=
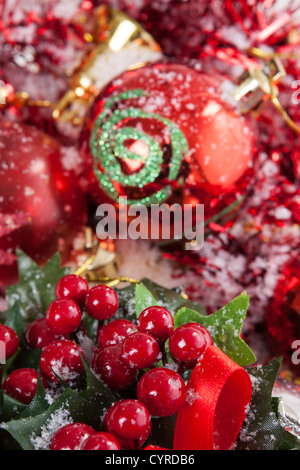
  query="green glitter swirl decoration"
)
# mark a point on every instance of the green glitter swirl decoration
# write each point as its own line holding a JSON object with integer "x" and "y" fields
{"x": 107, "y": 146}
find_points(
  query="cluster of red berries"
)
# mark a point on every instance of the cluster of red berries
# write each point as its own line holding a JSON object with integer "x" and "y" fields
{"x": 123, "y": 352}
{"x": 55, "y": 335}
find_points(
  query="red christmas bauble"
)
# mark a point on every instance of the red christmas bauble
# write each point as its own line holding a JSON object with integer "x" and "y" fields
{"x": 165, "y": 127}
{"x": 41, "y": 204}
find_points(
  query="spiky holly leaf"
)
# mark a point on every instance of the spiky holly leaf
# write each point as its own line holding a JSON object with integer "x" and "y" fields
{"x": 15, "y": 321}
{"x": 39, "y": 403}
{"x": 96, "y": 392}
{"x": 9, "y": 407}
{"x": 70, "y": 405}
{"x": 126, "y": 307}
{"x": 36, "y": 287}
{"x": 143, "y": 299}
{"x": 263, "y": 429}
{"x": 225, "y": 327}
{"x": 31, "y": 425}
{"x": 148, "y": 293}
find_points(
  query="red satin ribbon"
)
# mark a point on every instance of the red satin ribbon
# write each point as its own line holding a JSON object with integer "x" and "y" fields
{"x": 218, "y": 393}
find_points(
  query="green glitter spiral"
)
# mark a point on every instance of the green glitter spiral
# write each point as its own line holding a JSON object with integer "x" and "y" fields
{"x": 107, "y": 145}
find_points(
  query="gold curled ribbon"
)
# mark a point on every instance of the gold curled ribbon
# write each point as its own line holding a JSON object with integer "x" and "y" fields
{"x": 105, "y": 279}
{"x": 292, "y": 124}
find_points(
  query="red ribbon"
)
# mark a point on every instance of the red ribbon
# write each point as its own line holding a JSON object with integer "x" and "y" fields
{"x": 218, "y": 393}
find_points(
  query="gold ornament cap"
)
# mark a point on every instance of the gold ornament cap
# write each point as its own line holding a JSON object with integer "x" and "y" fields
{"x": 257, "y": 87}
{"x": 119, "y": 43}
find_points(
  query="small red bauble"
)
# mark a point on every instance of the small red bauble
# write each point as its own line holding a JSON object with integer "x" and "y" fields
{"x": 101, "y": 302}
{"x": 109, "y": 366}
{"x": 129, "y": 420}
{"x": 162, "y": 391}
{"x": 101, "y": 441}
{"x": 40, "y": 198}
{"x": 21, "y": 384}
{"x": 63, "y": 359}
{"x": 140, "y": 350}
{"x": 115, "y": 332}
{"x": 72, "y": 287}
{"x": 10, "y": 340}
{"x": 63, "y": 316}
{"x": 157, "y": 322}
{"x": 71, "y": 436}
{"x": 39, "y": 335}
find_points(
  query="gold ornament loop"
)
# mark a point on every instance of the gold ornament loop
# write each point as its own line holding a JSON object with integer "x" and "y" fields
{"x": 257, "y": 86}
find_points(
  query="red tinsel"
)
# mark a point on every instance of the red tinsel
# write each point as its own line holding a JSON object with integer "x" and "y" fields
{"x": 42, "y": 42}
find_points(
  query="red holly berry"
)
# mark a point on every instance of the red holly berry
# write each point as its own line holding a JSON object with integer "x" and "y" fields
{"x": 63, "y": 359}
{"x": 140, "y": 350}
{"x": 110, "y": 368}
{"x": 101, "y": 441}
{"x": 128, "y": 420}
{"x": 162, "y": 391}
{"x": 39, "y": 334}
{"x": 71, "y": 436}
{"x": 204, "y": 331}
{"x": 72, "y": 287}
{"x": 187, "y": 343}
{"x": 63, "y": 316}
{"x": 115, "y": 332}
{"x": 156, "y": 321}
{"x": 101, "y": 302}
{"x": 10, "y": 340}
{"x": 21, "y": 384}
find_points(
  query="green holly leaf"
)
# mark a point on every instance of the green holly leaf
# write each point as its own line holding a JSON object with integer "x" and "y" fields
{"x": 263, "y": 429}
{"x": 96, "y": 392}
{"x": 9, "y": 407}
{"x": 28, "y": 423}
{"x": 15, "y": 321}
{"x": 225, "y": 328}
{"x": 126, "y": 307}
{"x": 291, "y": 440}
{"x": 28, "y": 357}
{"x": 69, "y": 405}
{"x": 148, "y": 293}
{"x": 13, "y": 409}
{"x": 36, "y": 287}
{"x": 38, "y": 404}
{"x": 143, "y": 299}
{"x": 162, "y": 431}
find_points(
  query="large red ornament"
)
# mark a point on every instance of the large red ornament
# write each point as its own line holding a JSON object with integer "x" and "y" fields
{"x": 41, "y": 204}
{"x": 165, "y": 127}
